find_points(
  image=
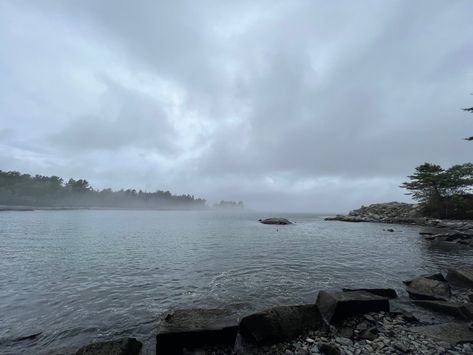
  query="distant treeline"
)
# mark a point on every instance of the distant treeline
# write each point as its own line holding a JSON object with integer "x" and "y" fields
{"x": 52, "y": 191}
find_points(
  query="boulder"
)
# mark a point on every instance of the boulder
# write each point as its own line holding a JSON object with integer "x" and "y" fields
{"x": 193, "y": 328}
{"x": 428, "y": 287}
{"x": 383, "y": 292}
{"x": 457, "y": 310}
{"x": 461, "y": 277}
{"x": 453, "y": 333}
{"x": 275, "y": 220}
{"x": 125, "y": 346}
{"x": 338, "y": 305}
{"x": 276, "y": 324}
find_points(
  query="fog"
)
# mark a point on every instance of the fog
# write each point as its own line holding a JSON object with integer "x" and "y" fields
{"x": 295, "y": 106}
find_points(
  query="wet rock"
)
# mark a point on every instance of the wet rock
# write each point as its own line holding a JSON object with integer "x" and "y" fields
{"x": 383, "y": 292}
{"x": 275, "y": 220}
{"x": 338, "y": 305}
{"x": 461, "y": 277}
{"x": 428, "y": 287}
{"x": 425, "y": 233}
{"x": 400, "y": 347}
{"x": 452, "y": 333}
{"x": 457, "y": 310}
{"x": 126, "y": 346}
{"x": 390, "y": 230}
{"x": 193, "y": 328}
{"x": 329, "y": 349}
{"x": 279, "y": 323}
{"x": 370, "y": 333}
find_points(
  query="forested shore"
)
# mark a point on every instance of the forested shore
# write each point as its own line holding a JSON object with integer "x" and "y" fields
{"x": 38, "y": 191}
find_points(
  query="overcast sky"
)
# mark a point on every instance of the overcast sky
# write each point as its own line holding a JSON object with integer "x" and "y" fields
{"x": 287, "y": 105}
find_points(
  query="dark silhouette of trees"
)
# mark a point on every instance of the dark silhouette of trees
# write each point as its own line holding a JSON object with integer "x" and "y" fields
{"x": 51, "y": 191}
{"x": 443, "y": 193}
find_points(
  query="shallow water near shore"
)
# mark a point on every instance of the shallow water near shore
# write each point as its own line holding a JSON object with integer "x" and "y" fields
{"x": 80, "y": 276}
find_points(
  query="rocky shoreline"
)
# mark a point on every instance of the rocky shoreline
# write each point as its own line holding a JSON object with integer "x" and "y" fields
{"x": 456, "y": 231}
{"x": 434, "y": 317}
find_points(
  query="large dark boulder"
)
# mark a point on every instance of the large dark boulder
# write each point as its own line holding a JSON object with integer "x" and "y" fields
{"x": 461, "y": 277}
{"x": 428, "y": 287}
{"x": 279, "y": 323}
{"x": 335, "y": 306}
{"x": 457, "y": 310}
{"x": 275, "y": 220}
{"x": 194, "y": 328}
{"x": 383, "y": 292}
{"x": 126, "y": 346}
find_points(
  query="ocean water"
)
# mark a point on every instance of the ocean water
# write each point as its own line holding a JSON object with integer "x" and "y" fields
{"x": 84, "y": 275}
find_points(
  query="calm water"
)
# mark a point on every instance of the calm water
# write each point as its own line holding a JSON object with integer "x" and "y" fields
{"x": 77, "y": 276}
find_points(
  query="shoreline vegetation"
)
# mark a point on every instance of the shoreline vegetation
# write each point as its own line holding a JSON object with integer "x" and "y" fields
{"x": 24, "y": 191}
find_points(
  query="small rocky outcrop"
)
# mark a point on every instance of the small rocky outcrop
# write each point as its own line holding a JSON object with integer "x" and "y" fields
{"x": 279, "y": 323}
{"x": 194, "y": 328}
{"x": 461, "y": 277}
{"x": 336, "y": 306}
{"x": 126, "y": 346}
{"x": 275, "y": 220}
{"x": 391, "y": 212}
{"x": 428, "y": 287}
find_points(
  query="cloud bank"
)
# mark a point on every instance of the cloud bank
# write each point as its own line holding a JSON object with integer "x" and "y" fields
{"x": 307, "y": 106}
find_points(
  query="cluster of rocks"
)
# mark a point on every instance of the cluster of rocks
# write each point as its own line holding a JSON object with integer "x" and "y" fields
{"x": 391, "y": 212}
{"x": 435, "y": 318}
{"x": 450, "y": 237}
{"x": 456, "y": 231}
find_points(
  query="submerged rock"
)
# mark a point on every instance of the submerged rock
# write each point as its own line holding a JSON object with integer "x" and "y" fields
{"x": 126, "y": 346}
{"x": 279, "y": 323}
{"x": 193, "y": 328}
{"x": 428, "y": 287}
{"x": 275, "y": 220}
{"x": 338, "y": 305}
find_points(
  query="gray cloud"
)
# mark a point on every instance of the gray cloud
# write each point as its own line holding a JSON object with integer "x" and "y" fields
{"x": 300, "y": 105}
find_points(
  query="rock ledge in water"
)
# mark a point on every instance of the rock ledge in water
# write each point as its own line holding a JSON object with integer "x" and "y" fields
{"x": 193, "y": 328}
{"x": 275, "y": 220}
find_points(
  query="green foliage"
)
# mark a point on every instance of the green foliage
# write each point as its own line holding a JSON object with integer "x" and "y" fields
{"x": 442, "y": 193}
{"x": 51, "y": 191}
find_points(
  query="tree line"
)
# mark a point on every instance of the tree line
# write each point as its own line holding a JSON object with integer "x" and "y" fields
{"x": 443, "y": 193}
{"x": 52, "y": 191}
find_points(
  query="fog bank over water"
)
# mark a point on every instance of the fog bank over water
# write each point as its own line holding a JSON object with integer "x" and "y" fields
{"x": 299, "y": 106}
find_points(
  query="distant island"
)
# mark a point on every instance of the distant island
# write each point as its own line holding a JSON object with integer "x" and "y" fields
{"x": 17, "y": 189}
{"x": 228, "y": 205}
